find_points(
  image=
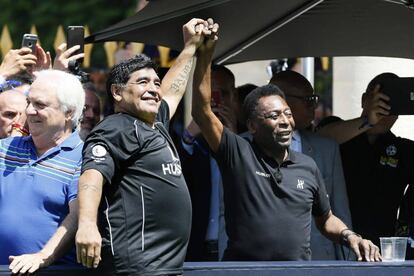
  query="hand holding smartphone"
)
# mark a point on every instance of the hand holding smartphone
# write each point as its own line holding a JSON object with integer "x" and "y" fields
{"x": 29, "y": 41}
{"x": 75, "y": 36}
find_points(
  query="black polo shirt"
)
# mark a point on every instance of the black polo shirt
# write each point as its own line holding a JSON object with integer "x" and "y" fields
{"x": 266, "y": 220}
{"x": 376, "y": 176}
{"x": 145, "y": 211}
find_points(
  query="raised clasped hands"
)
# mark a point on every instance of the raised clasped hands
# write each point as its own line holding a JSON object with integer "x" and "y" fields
{"x": 199, "y": 32}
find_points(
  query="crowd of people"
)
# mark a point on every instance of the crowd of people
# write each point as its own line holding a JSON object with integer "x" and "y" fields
{"x": 248, "y": 179}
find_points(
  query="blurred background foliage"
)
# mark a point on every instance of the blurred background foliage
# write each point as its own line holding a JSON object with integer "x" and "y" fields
{"x": 47, "y": 15}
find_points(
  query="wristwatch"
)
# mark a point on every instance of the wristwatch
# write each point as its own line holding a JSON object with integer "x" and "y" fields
{"x": 365, "y": 122}
{"x": 345, "y": 234}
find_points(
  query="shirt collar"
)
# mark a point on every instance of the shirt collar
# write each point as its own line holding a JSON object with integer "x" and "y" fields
{"x": 71, "y": 142}
{"x": 291, "y": 158}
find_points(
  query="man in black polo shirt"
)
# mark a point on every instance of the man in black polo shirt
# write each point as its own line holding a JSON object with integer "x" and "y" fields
{"x": 144, "y": 214}
{"x": 378, "y": 165}
{"x": 269, "y": 191}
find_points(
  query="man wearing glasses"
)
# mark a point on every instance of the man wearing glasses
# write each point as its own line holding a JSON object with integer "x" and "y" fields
{"x": 270, "y": 191}
{"x": 302, "y": 101}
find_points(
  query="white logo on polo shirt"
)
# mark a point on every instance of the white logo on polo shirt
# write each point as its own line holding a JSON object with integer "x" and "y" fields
{"x": 263, "y": 174}
{"x": 174, "y": 167}
{"x": 300, "y": 184}
{"x": 98, "y": 151}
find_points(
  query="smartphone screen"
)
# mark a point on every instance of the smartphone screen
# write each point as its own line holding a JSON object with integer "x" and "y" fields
{"x": 29, "y": 41}
{"x": 75, "y": 36}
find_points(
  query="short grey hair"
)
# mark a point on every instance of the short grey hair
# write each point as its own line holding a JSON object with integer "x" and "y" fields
{"x": 69, "y": 92}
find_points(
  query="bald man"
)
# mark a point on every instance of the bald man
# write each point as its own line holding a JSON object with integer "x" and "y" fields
{"x": 12, "y": 109}
{"x": 302, "y": 101}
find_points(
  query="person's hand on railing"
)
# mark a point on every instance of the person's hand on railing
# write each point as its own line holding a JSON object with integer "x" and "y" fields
{"x": 28, "y": 263}
{"x": 364, "y": 249}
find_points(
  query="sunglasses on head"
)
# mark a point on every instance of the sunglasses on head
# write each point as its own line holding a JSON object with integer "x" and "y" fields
{"x": 9, "y": 85}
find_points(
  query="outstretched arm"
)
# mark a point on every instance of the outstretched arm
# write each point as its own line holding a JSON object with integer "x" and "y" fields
{"x": 55, "y": 248}
{"x": 175, "y": 81}
{"x": 88, "y": 238}
{"x": 375, "y": 108}
{"x": 334, "y": 229}
{"x": 210, "y": 125}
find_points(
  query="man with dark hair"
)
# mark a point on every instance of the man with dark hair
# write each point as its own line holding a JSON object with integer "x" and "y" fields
{"x": 377, "y": 164}
{"x": 12, "y": 112}
{"x": 91, "y": 112}
{"x": 269, "y": 191}
{"x": 207, "y": 239}
{"x": 132, "y": 172}
{"x": 302, "y": 101}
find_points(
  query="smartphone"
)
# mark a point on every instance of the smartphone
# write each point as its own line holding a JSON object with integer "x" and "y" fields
{"x": 75, "y": 36}
{"x": 401, "y": 94}
{"x": 29, "y": 41}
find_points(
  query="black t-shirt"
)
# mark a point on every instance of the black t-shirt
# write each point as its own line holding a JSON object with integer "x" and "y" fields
{"x": 145, "y": 211}
{"x": 266, "y": 220}
{"x": 376, "y": 176}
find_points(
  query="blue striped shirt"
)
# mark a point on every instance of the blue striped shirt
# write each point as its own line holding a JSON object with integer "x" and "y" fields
{"x": 35, "y": 192}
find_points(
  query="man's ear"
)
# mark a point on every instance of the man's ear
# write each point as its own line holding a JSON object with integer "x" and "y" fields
{"x": 363, "y": 99}
{"x": 116, "y": 91}
{"x": 69, "y": 115}
{"x": 251, "y": 126}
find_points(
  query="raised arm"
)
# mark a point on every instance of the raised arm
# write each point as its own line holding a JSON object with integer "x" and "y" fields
{"x": 375, "y": 108}
{"x": 334, "y": 229}
{"x": 175, "y": 81}
{"x": 88, "y": 238}
{"x": 16, "y": 61}
{"x": 56, "y": 247}
{"x": 210, "y": 125}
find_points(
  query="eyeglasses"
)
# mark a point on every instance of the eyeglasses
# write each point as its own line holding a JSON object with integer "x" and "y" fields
{"x": 313, "y": 99}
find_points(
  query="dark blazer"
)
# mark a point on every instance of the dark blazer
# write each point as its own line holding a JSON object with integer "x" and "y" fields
{"x": 325, "y": 152}
{"x": 196, "y": 170}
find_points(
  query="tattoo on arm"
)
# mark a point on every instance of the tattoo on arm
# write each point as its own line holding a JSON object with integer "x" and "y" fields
{"x": 182, "y": 78}
{"x": 90, "y": 187}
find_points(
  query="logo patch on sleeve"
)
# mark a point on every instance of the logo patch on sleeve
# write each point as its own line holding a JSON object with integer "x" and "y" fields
{"x": 98, "y": 151}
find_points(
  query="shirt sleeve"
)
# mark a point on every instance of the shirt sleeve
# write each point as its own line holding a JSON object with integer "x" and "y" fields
{"x": 321, "y": 204}
{"x": 97, "y": 156}
{"x": 72, "y": 191}
{"x": 163, "y": 115}
{"x": 109, "y": 146}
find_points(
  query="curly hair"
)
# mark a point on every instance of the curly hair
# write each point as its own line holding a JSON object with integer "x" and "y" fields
{"x": 252, "y": 99}
{"x": 120, "y": 73}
